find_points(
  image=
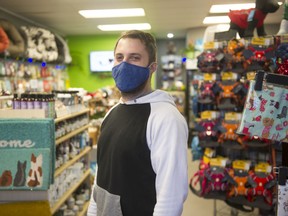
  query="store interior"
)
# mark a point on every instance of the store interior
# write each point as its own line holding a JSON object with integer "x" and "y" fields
{"x": 56, "y": 86}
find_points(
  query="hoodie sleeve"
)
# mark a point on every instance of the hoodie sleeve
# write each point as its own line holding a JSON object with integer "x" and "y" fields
{"x": 92, "y": 208}
{"x": 167, "y": 136}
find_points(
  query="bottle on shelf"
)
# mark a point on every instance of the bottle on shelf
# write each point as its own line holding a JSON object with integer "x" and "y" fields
{"x": 37, "y": 101}
{"x": 23, "y": 101}
{"x": 16, "y": 102}
{"x": 30, "y": 101}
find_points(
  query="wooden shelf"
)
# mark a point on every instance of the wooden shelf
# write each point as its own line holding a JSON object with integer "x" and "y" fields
{"x": 59, "y": 170}
{"x": 71, "y": 115}
{"x": 69, "y": 192}
{"x": 6, "y": 97}
{"x": 69, "y": 135}
{"x": 84, "y": 210}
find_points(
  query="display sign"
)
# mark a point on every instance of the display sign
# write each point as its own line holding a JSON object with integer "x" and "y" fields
{"x": 27, "y": 154}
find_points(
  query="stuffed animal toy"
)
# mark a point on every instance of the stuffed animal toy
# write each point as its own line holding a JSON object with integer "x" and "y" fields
{"x": 245, "y": 21}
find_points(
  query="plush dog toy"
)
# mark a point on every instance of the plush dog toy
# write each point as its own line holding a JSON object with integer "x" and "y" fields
{"x": 245, "y": 21}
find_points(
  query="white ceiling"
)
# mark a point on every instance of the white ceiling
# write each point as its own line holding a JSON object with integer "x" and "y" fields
{"x": 165, "y": 16}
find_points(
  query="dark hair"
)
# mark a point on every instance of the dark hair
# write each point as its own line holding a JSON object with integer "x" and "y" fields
{"x": 146, "y": 38}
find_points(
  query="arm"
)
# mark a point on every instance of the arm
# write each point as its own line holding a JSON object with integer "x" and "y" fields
{"x": 167, "y": 136}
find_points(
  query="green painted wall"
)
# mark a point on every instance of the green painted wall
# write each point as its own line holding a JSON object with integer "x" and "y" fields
{"x": 79, "y": 73}
{"x": 78, "y": 70}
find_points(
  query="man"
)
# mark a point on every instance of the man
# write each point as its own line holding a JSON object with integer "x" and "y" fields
{"x": 142, "y": 148}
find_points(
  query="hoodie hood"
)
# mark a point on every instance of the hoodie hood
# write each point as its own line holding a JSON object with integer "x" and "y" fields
{"x": 156, "y": 96}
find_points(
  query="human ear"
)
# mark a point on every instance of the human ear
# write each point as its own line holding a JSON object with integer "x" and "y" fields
{"x": 153, "y": 67}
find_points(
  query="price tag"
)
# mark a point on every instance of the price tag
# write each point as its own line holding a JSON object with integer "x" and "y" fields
{"x": 263, "y": 167}
{"x": 206, "y": 115}
{"x": 219, "y": 161}
{"x": 208, "y": 154}
{"x": 241, "y": 164}
{"x": 232, "y": 116}
{"x": 229, "y": 76}
{"x": 262, "y": 41}
{"x": 258, "y": 41}
{"x": 209, "y": 76}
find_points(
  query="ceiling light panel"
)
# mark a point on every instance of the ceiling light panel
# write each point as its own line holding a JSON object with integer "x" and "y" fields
{"x": 216, "y": 19}
{"x": 107, "y": 13}
{"x": 124, "y": 27}
{"x": 225, "y": 8}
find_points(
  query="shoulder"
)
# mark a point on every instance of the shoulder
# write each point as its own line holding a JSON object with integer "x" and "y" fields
{"x": 165, "y": 110}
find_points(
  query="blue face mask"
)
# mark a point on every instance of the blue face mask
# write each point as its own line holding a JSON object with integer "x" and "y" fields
{"x": 129, "y": 77}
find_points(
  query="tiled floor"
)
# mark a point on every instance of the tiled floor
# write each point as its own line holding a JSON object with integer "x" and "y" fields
{"x": 195, "y": 206}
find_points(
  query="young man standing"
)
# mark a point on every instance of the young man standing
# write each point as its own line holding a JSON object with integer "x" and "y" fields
{"x": 142, "y": 148}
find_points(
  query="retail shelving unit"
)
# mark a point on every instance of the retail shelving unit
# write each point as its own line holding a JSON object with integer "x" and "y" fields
{"x": 70, "y": 192}
{"x": 28, "y": 196}
{"x": 72, "y": 161}
{"x": 83, "y": 153}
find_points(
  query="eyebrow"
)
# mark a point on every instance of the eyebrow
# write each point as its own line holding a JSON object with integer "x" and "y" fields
{"x": 130, "y": 54}
{"x": 138, "y": 54}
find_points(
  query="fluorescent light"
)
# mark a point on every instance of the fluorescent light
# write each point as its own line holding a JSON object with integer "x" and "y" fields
{"x": 216, "y": 19}
{"x": 121, "y": 27}
{"x": 225, "y": 8}
{"x": 131, "y": 12}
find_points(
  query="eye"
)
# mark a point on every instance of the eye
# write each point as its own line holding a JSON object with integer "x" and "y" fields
{"x": 134, "y": 58}
{"x": 119, "y": 58}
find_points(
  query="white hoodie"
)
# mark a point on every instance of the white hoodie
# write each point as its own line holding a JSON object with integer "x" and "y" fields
{"x": 167, "y": 136}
